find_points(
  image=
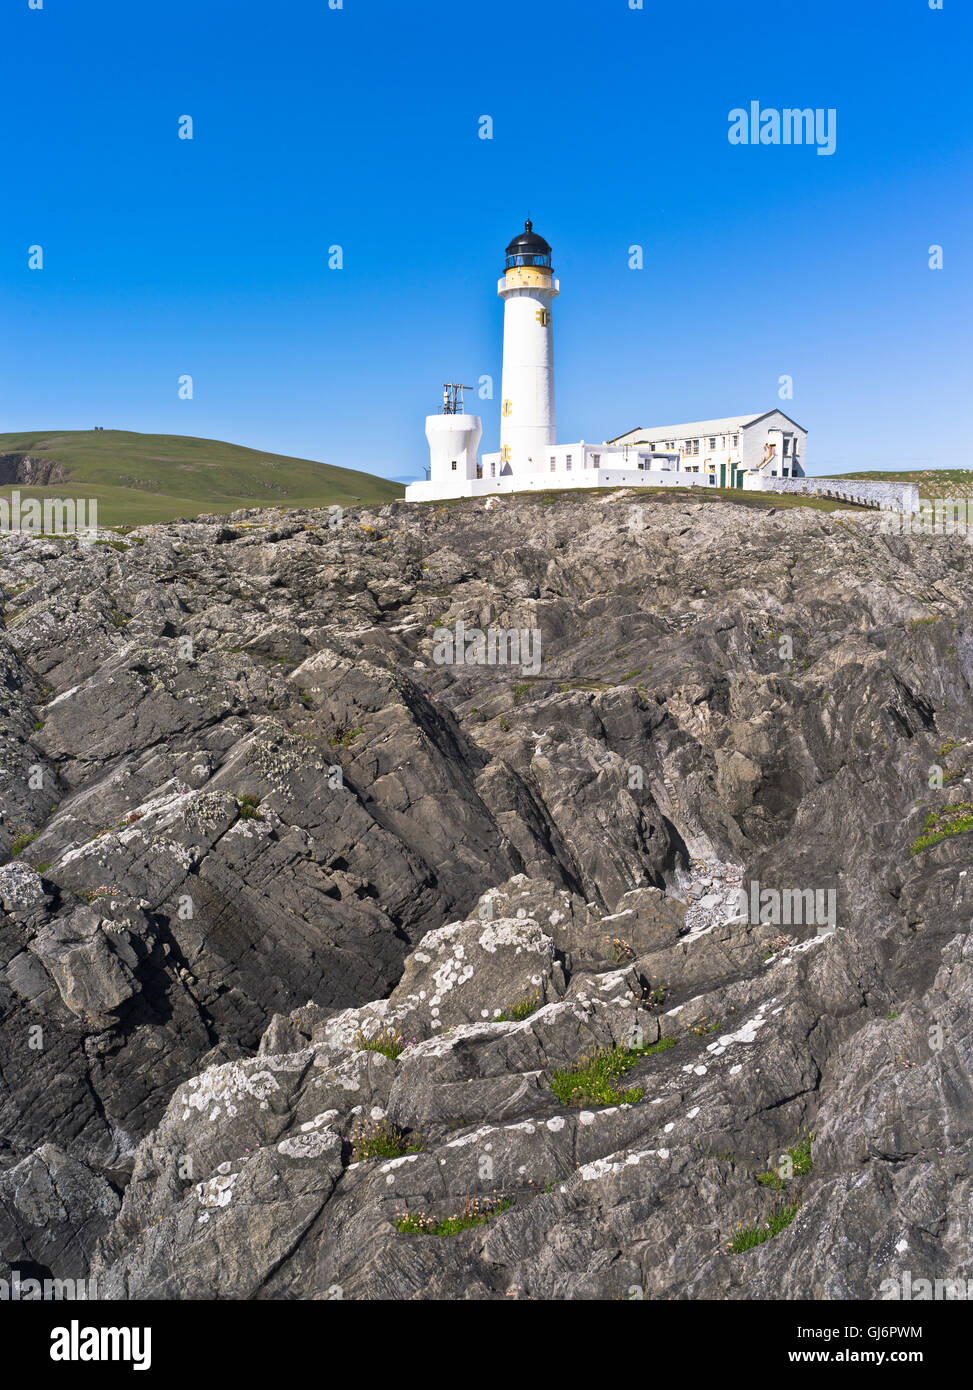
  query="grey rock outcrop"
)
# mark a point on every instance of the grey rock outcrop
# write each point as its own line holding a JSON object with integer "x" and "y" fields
{"x": 304, "y": 936}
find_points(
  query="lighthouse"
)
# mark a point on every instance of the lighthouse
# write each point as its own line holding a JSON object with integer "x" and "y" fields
{"x": 528, "y": 290}
{"x": 735, "y": 451}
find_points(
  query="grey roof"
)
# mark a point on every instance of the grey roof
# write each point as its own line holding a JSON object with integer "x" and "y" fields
{"x": 725, "y": 425}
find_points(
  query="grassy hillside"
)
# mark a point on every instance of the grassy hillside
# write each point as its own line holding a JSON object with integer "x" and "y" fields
{"x": 158, "y": 477}
{"x": 932, "y": 482}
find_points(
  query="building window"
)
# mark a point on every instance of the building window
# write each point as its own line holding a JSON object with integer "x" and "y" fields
{"x": 736, "y": 441}
{"x": 787, "y": 447}
{"x": 596, "y": 460}
{"x": 712, "y": 443}
{"x": 553, "y": 462}
{"x": 567, "y": 463}
{"x": 493, "y": 470}
{"x": 453, "y": 465}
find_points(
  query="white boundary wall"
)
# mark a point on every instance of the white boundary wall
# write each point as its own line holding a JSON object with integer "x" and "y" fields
{"x": 546, "y": 482}
{"x": 895, "y": 497}
{"x": 892, "y": 497}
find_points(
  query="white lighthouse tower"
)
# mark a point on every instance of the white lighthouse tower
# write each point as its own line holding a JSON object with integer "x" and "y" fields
{"x": 528, "y": 290}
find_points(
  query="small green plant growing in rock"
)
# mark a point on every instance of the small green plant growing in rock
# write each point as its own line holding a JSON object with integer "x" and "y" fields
{"x": 516, "y": 1013}
{"x": 951, "y": 820}
{"x": 797, "y": 1163}
{"x": 476, "y": 1211}
{"x": 775, "y": 946}
{"x": 383, "y": 1140}
{"x": 771, "y": 1179}
{"x": 247, "y": 806}
{"x": 39, "y": 725}
{"x": 748, "y": 1237}
{"x": 344, "y": 738}
{"x": 505, "y": 726}
{"x": 21, "y": 842}
{"x": 701, "y": 1028}
{"x": 594, "y": 1079}
{"x": 620, "y": 951}
{"x": 387, "y": 1041}
{"x": 521, "y": 690}
{"x": 800, "y": 1155}
{"x": 947, "y": 747}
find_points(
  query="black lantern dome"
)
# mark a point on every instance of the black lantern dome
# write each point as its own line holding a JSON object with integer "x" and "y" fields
{"x": 528, "y": 249}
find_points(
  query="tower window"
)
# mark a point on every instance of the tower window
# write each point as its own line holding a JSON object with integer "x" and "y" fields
{"x": 453, "y": 465}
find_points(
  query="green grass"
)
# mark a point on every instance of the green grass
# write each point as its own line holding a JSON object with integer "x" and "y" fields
{"x": 390, "y": 1043}
{"x": 800, "y": 1156}
{"x": 594, "y": 1079}
{"x": 516, "y": 1013}
{"x": 476, "y": 1211}
{"x": 758, "y": 500}
{"x": 248, "y": 807}
{"x": 800, "y": 1164}
{"x": 748, "y": 1237}
{"x": 20, "y": 844}
{"x": 142, "y": 478}
{"x": 383, "y": 1140}
{"x": 344, "y": 739}
{"x": 940, "y": 825}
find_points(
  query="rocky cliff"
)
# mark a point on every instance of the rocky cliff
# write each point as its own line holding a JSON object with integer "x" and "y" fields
{"x": 30, "y": 470}
{"x": 328, "y": 970}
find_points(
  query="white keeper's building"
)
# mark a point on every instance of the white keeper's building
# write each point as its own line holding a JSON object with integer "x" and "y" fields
{"x": 734, "y": 451}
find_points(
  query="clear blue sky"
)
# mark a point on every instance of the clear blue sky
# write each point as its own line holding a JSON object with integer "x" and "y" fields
{"x": 359, "y": 127}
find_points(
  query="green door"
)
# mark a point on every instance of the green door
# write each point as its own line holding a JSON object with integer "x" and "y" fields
{"x": 722, "y": 475}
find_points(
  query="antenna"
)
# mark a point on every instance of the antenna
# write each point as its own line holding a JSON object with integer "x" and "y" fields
{"x": 453, "y": 402}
